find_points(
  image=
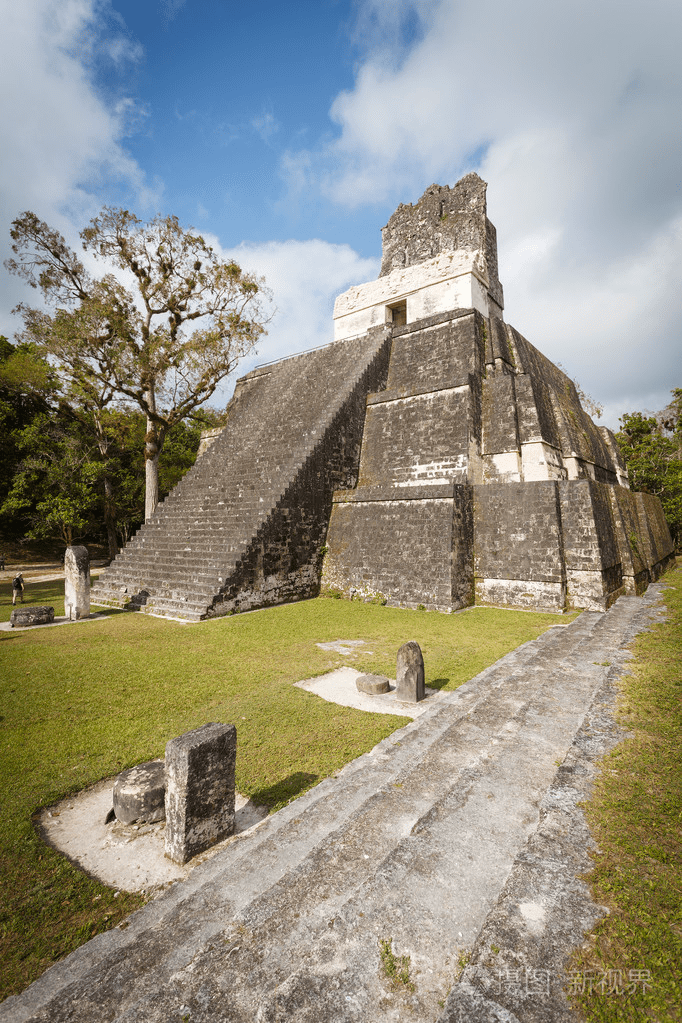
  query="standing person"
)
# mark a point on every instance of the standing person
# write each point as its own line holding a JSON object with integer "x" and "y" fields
{"x": 18, "y": 588}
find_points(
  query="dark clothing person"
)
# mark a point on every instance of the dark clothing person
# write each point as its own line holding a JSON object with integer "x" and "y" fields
{"x": 18, "y": 588}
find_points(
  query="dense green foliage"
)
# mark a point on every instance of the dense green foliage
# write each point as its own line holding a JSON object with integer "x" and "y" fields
{"x": 65, "y": 473}
{"x": 652, "y": 449}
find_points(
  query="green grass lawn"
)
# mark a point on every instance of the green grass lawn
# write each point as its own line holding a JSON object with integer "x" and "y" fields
{"x": 82, "y": 702}
{"x": 631, "y": 967}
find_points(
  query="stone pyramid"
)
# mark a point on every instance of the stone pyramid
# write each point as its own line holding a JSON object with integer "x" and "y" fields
{"x": 429, "y": 456}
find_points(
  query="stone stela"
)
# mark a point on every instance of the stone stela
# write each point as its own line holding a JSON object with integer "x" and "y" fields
{"x": 410, "y": 685}
{"x": 200, "y": 768}
{"x": 430, "y": 456}
{"x": 76, "y": 583}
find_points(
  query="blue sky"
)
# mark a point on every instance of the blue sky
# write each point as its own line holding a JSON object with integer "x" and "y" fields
{"x": 290, "y": 132}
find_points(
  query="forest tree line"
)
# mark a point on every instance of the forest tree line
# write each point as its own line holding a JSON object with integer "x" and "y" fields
{"x": 54, "y": 477}
{"x": 103, "y": 396}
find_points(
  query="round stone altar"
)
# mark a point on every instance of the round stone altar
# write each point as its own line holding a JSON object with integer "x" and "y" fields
{"x": 139, "y": 793}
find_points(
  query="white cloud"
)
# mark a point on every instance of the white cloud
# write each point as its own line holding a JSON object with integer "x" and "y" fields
{"x": 305, "y": 277}
{"x": 59, "y": 136}
{"x": 571, "y": 113}
{"x": 265, "y": 125}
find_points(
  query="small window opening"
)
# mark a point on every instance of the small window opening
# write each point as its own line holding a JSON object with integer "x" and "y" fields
{"x": 397, "y": 314}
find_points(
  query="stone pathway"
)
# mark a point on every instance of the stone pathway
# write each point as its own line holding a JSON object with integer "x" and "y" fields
{"x": 458, "y": 837}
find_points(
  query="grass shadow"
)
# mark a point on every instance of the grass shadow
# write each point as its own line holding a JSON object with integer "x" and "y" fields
{"x": 277, "y": 795}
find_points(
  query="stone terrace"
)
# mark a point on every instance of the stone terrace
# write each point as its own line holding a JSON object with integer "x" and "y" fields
{"x": 459, "y": 836}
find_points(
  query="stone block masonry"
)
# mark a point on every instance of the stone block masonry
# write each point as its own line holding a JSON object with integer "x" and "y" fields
{"x": 431, "y": 456}
{"x": 245, "y": 527}
{"x": 200, "y": 769}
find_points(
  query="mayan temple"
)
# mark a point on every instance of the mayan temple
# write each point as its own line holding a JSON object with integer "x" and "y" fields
{"x": 429, "y": 455}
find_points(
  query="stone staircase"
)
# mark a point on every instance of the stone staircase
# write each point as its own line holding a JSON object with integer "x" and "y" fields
{"x": 458, "y": 837}
{"x": 280, "y": 420}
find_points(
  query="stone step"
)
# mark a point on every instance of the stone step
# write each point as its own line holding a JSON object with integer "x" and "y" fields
{"x": 177, "y": 532}
{"x": 153, "y": 580}
{"x": 218, "y": 508}
{"x": 157, "y": 583}
{"x": 160, "y": 586}
{"x": 186, "y": 557}
{"x": 158, "y": 566}
{"x": 221, "y": 517}
{"x": 190, "y": 611}
{"x": 180, "y": 598}
{"x": 124, "y": 589}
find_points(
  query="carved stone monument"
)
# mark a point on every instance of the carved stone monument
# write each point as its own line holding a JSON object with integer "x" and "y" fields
{"x": 410, "y": 686}
{"x": 199, "y": 790}
{"x": 77, "y": 583}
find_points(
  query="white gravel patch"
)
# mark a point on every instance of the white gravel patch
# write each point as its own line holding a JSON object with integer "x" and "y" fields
{"x": 339, "y": 687}
{"x": 127, "y": 857}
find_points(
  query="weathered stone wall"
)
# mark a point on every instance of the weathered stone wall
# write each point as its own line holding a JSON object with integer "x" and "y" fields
{"x": 518, "y": 556}
{"x": 636, "y": 575}
{"x": 594, "y": 576}
{"x": 443, "y": 220}
{"x": 436, "y": 353}
{"x": 412, "y": 550}
{"x": 405, "y": 532}
{"x": 419, "y": 439}
{"x": 554, "y": 415}
{"x": 655, "y": 542}
{"x": 546, "y": 545}
{"x": 500, "y": 416}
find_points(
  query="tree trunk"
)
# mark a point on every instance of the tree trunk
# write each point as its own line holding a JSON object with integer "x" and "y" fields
{"x": 151, "y": 461}
{"x": 110, "y": 516}
{"x": 109, "y": 501}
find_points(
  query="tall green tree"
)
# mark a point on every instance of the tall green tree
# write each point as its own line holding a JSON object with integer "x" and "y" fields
{"x": 126, "y": 430}
{"x": 652, "y": 450}
{"x": 27, "y": 389}
{"x": 55, "y": 488}
{"x": 164, "y": 342}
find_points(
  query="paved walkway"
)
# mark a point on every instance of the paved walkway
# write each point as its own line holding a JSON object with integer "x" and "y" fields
{"x": 458, "y": 837}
